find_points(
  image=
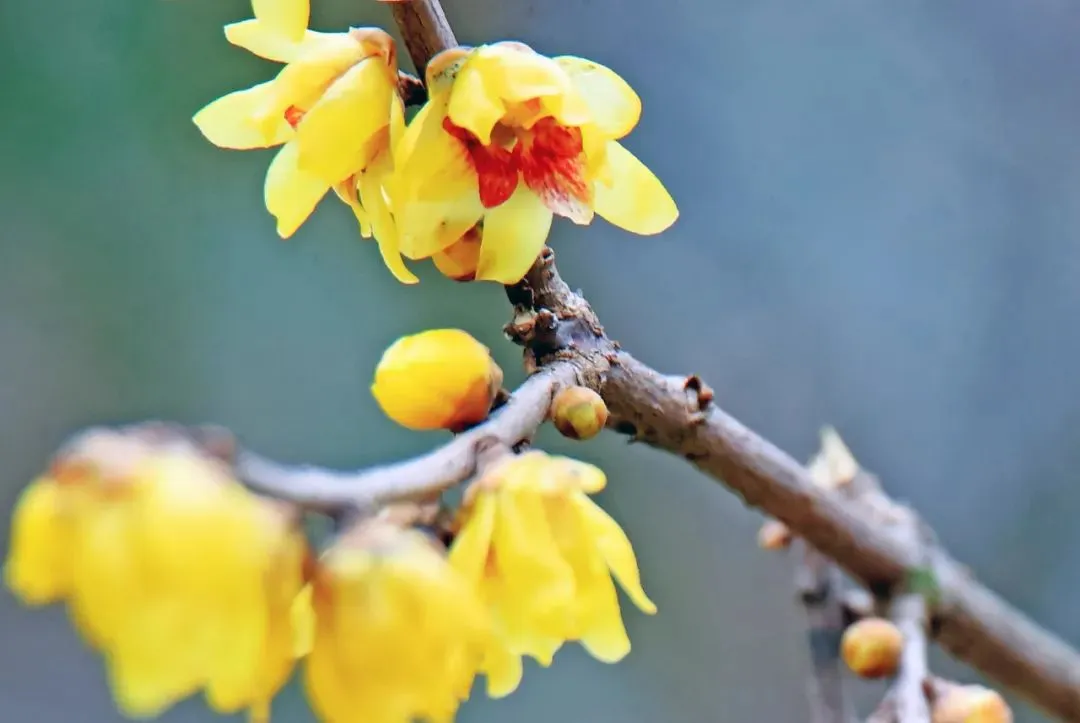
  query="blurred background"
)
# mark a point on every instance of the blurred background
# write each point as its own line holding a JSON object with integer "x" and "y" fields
{"x": 879, "y": 231}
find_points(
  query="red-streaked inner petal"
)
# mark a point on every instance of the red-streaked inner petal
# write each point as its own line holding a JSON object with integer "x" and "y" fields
{"x": 495, "y": 167}
{"x": 552, "y": 163}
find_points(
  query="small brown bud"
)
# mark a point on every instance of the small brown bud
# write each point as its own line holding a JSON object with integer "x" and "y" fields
{"x": 970, "y": 704}
{"x": 578, "y": 413}
{"x": 774, "y": 535}
{"x": 871, "y": 647}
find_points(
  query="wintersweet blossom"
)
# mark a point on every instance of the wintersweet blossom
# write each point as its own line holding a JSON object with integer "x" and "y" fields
{"x": 399, "y": 635}
{"x": 333, "y": 109}
{"x": 542, "y": 554}
{"x": 512, "y": 137}
{"x": 177, "y": 575}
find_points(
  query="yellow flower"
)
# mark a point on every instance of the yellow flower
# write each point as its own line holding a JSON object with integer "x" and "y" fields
{"x": 334, "y": 110}
{"x": 543, "y": 554}
{"x": 38, "y": 570}
{"x": 437, "y": 379}
{"x": 514, "y": 137}
{"x": 180, "y": 577}
{"x": 399, "y": 635}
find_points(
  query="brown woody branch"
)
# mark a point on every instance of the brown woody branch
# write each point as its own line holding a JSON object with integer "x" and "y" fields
{"x": 563, "y": 337}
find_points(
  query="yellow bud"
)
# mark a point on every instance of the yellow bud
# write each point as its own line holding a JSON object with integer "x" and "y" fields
{"x": 578, "y": 413}
{"x": 871, "y": 648}
{"x": 970, "y": 704}
{"x": 438, "y": 379}
{"x": 458, "y": 260}
{"x": 774, "y": 535}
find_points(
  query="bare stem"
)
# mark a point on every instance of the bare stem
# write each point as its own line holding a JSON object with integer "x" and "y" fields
{"x": 320, "y": 488}
{"x": 909, "y": 614}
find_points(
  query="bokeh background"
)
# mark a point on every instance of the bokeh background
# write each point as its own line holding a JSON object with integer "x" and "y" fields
{"x": 879, "y": 230}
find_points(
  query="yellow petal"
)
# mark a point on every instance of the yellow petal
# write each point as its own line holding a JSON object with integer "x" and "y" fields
{"x": 614, "y": 106}
{"x": 106, "y": 584}
{"x": 346, "y": 191}
{"x": 636, "y": 200}
{"x": 369, "y": 186}
{"x": 581, "y": 476}
{"x": 261, "y": 40}
{"x": 596, "y": 619}
{"x": 514, "y": 235}
{"x": 537, "y": 581}
{"x": 469, "y": 552}
{"x": 615, "y": 547}
{"x": 504, "y": 672}
{"x": 38, "y": 569}
{"x": 334, "y": 133}
{"x": 230, "y": 121}
{"x": 475, "y": 106}
{"x": 287, "y": 17}
{"x": 291, "y": 194}
{"x": 302, "y": 82}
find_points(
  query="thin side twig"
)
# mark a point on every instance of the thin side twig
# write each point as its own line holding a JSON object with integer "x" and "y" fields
{"x": 908, "y": 696}
{"x": 454, "y": 462}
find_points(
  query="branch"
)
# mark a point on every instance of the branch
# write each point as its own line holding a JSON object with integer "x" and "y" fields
{"x": 677, "y": 414}
{"x": 320, "y": 488}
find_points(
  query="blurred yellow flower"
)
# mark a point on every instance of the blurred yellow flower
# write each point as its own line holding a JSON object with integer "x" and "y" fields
{"x": 334, "y": 110}
{"x": 180, "y": 577}
{"x": 399, "y": 636}
{"x": 513, "y": 137}
{"x": 543, "y": 553}
{"x": 437, "y": 379}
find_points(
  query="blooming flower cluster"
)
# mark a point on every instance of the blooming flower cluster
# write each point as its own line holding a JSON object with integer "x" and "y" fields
{"x": 185, "y": 581}
{"x": 507, "y": 140}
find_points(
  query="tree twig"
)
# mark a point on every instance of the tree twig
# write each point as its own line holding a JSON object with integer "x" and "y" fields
{"x": 320, "y": 488}
{"x": 909, "y": 613}
{"x": 677, "y": 414}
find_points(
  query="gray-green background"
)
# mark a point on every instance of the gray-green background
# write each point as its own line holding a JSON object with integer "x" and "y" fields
{"x": 879, "y": 230}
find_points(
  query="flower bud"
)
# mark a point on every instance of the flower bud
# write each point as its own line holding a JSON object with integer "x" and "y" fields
{"x": 437, "y": 379}
{"x": 774, "y": 535}
{"x": 871, "y": 648}
{"x": 970, "y": 704}
{"x": 578, "y": 413}
{"x": 458, "y": 261}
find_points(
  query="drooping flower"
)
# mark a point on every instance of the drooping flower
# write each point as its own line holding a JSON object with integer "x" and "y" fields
{"x": 334, "y": 110}
{"x": 437, "y": 379}
{"x": 399, "y": 636}
{"x": 543, "y": 555}
{"x": 176, "y": 574}
{"x": 512, "y": 137}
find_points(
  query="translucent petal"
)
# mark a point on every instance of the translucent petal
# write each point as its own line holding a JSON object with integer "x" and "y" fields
{"x": 334, "y": 133}
{"x": 514, "y": 234}
{"x": 261, "y": 40}
{"x": 469, "y": 552}
{"x": 302, "y": 82}
{"x": 636, "y": 200}
{"x": 596, "y": 619}
{"x": 616, "y": 550}
{"x": 291, "y": 194}
{"x": 474, "y": 105}
{"x": 287, "y": 17}
{"x": 229, "y": 121}
{"x": 553, "y": 165}
{"x": 370, "y": 188}
{"x": 537, "y": 581}
{"x": 614, "y": 107}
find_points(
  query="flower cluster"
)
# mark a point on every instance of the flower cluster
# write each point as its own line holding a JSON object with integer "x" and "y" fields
{"x": 508, "y": 139}
{"x": 182, "y": 579}
{"x": 187, "y": 582}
